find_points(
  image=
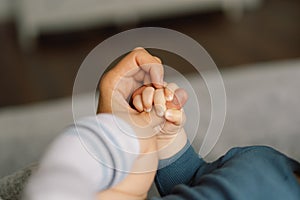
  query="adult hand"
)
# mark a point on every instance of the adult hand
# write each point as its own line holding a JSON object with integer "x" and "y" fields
{"x": 116, "y": 87}
{"x": 134, "y": 70}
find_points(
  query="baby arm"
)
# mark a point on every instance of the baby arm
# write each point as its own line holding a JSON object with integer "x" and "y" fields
{"x": 178, "y": 161}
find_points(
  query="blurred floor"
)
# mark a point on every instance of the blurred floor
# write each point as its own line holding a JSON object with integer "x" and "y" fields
{"x": 270, "y": 33}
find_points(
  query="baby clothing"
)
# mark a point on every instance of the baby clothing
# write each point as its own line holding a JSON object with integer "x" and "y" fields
{"x": 97, "y": 152}
{"x": 91, "y": 155}
{"x": 254, "y": 173}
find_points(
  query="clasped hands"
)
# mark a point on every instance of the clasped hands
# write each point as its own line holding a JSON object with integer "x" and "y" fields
{"x": 135, "y": 91}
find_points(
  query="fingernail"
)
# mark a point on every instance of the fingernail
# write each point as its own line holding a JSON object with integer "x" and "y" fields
{"x": 169, "y": 97}
{"x": 137, "y": 48}
{"x": 159, "y": 110}
{"x": 175, "y": 101}
{"x": 147, "y": 110}
{"x": 180, "y": 98}
{"x": 168, "y": 115}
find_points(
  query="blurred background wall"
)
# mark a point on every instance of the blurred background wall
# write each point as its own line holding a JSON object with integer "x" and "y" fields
{"x": 43, "y": 42}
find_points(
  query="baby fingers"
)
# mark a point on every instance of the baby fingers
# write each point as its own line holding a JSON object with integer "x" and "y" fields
{"x": 147, "y": 98}
{"x": 179, "y": 99}
{"x": 177, "y": 117}
{"x": 143, "y": 99}
{"x": 137, "y": 102}
{"x": 159, "y": 102}
{"x": 170, "y": 90}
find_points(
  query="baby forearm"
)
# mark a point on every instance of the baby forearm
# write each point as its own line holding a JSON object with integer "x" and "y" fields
{"x": 170, "y": 145}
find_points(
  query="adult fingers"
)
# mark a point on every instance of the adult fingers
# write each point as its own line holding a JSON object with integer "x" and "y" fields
{"x": 159, "y": 102}
{"x": 158, "y": 59}
{"x": 147, "y": 79}
{"x": 151, "y": 65}
{"x": 136, "y": 60}
{"x": 139, "y": 76}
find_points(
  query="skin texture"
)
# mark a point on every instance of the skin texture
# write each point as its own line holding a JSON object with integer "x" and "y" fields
{"x": 137, "y": 68}
{"x": 127, "y": 188}
{"x": 171, "y": 137}
{"x": 116, "y": 87}
{"x": 130, "y": 76}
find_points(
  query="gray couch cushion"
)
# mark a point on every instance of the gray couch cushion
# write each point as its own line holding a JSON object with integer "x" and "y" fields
{"x": 11, "y": 186}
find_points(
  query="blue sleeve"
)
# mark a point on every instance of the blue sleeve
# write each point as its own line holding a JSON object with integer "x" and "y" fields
{"x": 255, "y": 172}
{"x": 179, "y": 169}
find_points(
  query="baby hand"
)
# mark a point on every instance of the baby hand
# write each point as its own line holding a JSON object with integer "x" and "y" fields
{"x": 168, "y": 103}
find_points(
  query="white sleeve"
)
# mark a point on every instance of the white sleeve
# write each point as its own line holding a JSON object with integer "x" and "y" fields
{"x": 88, "y": 157}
